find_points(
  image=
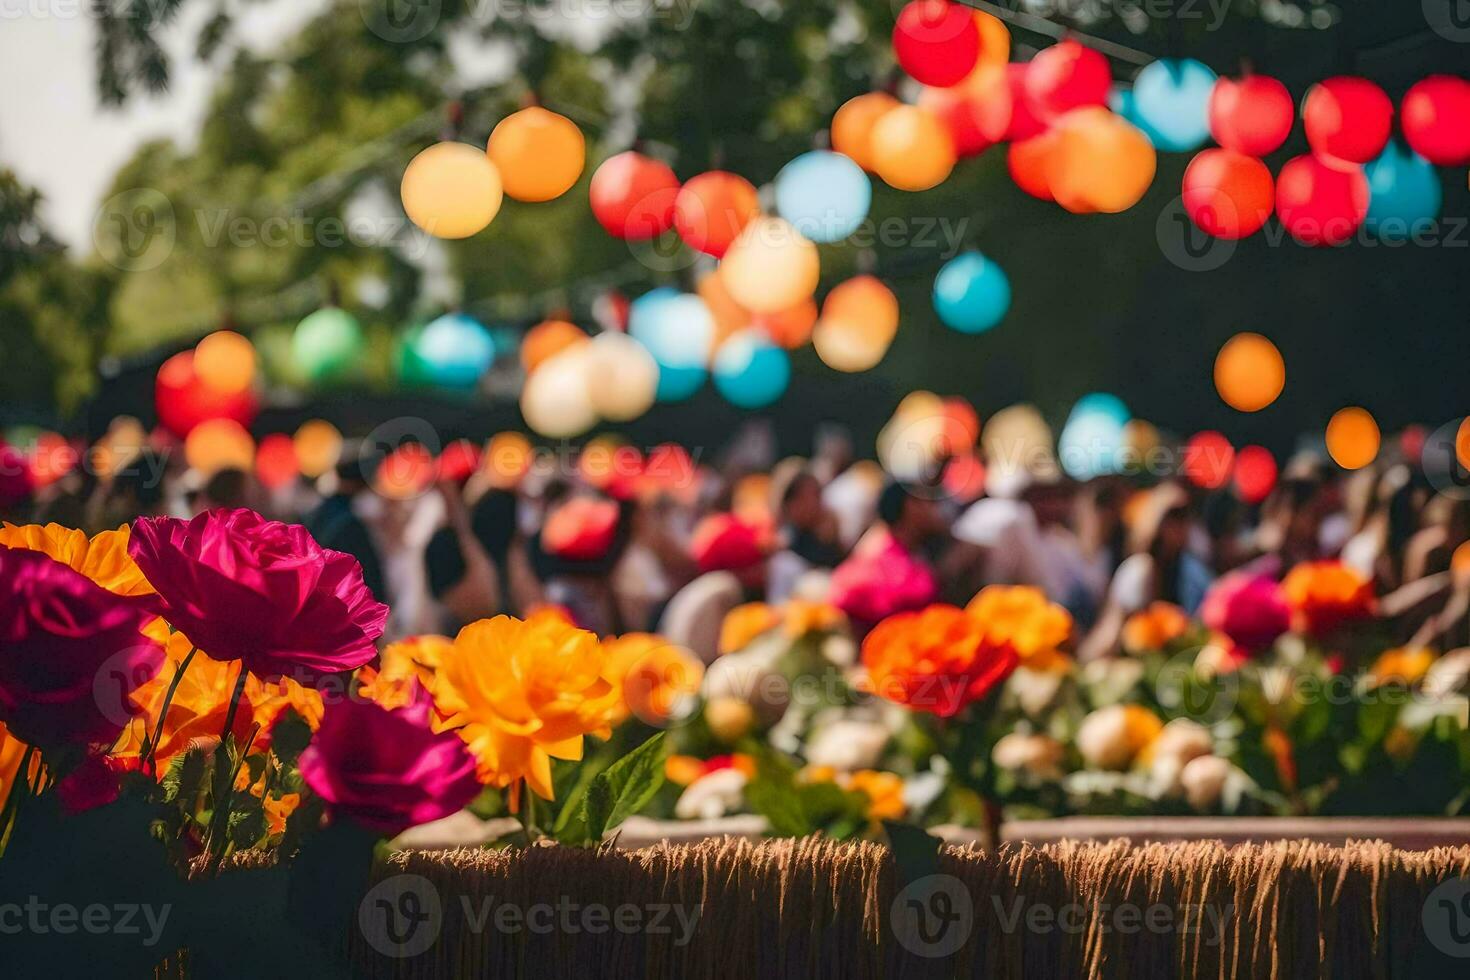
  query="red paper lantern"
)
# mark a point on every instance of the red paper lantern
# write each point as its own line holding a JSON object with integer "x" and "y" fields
{"x": 1027, "y": 162}
{"x": 582, "y": 529}
{"x": 459, "y": 460}
{"x": 275, "y": 461}
{"x": 1208, "y": 457}
{"x": 1024, "y": 123}
{"x": 1067, "y": 76}
{"x": 711, "y": 210}
{"x": 1228, "y": 194}
{"x": 1321, "y": 202}
{"x": 1436, "y": 119}
{"x": 936, "y": 42}
{"x": 976, "y": 119}
{"x": 1347, "y": 118}
{"x": 1251, "y": 116}
{"x": 183, "y": 400}
{"x": 633, "y": 196}
{"x": 1255, "y": 474}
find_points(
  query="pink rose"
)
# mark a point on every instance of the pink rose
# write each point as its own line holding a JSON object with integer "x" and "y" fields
{"x": 1250, "y": 609}
{"x": 873, "y": 585}
{"x": 385, "y": 767}
{"x": 245, "y": 588}
{"x": 70, "y": 653}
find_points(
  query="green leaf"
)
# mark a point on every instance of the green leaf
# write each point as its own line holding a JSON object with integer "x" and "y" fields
{"x": 617, "y": 793}
{"x": 772, "y": 793}
{"x": 247, "y": 827}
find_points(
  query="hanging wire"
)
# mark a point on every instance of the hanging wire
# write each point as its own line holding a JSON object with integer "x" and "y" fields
{"x": 1040, "y": 25}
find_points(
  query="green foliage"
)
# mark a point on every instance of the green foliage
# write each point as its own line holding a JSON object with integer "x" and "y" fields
{"x": 614, "y": 794}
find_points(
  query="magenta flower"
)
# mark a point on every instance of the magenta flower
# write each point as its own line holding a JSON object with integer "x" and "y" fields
{"x": 873, "y": 585}
{"x": 71, "y": 653}
{"x": 385, "y": 767}
{"x": 1250, "y": 609}
{"x": 245, "y": 588}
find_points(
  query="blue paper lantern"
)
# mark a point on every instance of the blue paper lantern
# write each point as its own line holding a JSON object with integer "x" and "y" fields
{"x": 1121, "y": 101}
{"x": 824, "y": 195}
{"x": 678, "y": 330}
{"x": 1092, "y": 441}
{"x": 1171, "y": 98}
{"x": 971, "y": 293}
{"x": 750, "y": 371}
{"x": 1406, "y": 194}
{"x": 452, "y": 351}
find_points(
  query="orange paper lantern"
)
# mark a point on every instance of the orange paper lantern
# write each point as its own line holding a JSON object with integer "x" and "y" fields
{"x": 912, "y": 149}
{"x": 852, "y": 126}
{"x": 1100, "y": 162}
{"x": 218, "y": 444}
{"x": 1352, "y": 438}
{"x": 1249, "y": 372}
{"x": 546, "y": 339}
{"x": 540, "y": 154}
{"x": 770, "y": 267}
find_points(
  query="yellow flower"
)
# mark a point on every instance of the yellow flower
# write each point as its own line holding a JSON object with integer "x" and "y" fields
{"x": 651, "y": 674}
{"x": 1155, "y": 627}
{"x": 1022, "y": 616}
{"x": 884, "y": 791}
{"x": 801, "y": 616}
{"x": 521, "y": 693}
{"x": 12, "y": 750}
{"x": 744, "y": 623}
{"x": 269, "y": 698}
{"x": 103, "y": 558}
{"x": 817, "y": 774}
{"x": 1402, "y": 665}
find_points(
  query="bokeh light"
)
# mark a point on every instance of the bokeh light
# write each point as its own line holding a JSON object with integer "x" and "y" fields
{"x": 1353, "y": 438}
{"x": 1249, "y": 372}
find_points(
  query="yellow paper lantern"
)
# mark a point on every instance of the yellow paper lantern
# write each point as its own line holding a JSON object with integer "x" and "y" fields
{"x": 539, "y": 154}
{"x": 771, "y": 267}
{"x": 225, "y": 362}
{"x": 1098, "y": 161}
{"x": 451, "y": 190}
{"x": 1249, "y": 372}
{"x": 912, "y": 149}
{"x": 622, "y": 377}
{"x": 218, "y": 444}
{"x": 318, "y": 447}
{"x": 555, "y": 401}
{"x": 852, "y": 126}
{"x": 1352, "y": 438}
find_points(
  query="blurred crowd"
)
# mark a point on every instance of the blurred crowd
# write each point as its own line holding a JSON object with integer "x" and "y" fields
{"x": 670, "y": 540}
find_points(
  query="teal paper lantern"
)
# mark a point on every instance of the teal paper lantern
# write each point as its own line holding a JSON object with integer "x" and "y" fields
{"x": 452, "y": 351}
{"x": 824, "y": 195}
{"x": 750, "y": 371}
{"x": 327, "y": 344}
{"x": 678, "y": 330}
{"x": 1405, "y": 195}
{"x": 1093, "y": 440}
{"x": 971, "y": 293}
{"x": 1171, "y": 98}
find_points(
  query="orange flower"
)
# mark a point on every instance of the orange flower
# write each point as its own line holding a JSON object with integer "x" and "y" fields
{"x": 416, "y": 658}
{"x": 937, "y": 660}
{"x": 651, "y": 674}
{"x": 102, "y": 558}
{"x": 884, "y": 791}
{"x": 200, "y": 703}
{"x": 744, "y": 623}
{"x": 1022, "y": 616}
{"x": 681, "y": 770}
{"x": 12, "y": 750}
{"x": 1401, "y": 665}
{"x": 1324, "y": 595}
{"x": 1155, "y": 627}
{"x": 521, "y": 693}
{"x": 270, "y": 698}
{"x": 278, "y": 809}
{"x": 801, "y": 616}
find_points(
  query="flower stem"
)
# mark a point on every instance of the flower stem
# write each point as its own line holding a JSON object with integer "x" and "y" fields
{"x": 224, "y": 779}
{"x": 168, "y": 700}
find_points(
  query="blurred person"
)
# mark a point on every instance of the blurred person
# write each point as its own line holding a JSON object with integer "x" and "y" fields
{"x": 1160, "y": 567}
{"x": 462, "y": 576}
{"x": 228, "y": 488}
{"x": 1378, "y": 547}
{"x": 336, "y": 524}
{"x": 808, "y": 535}
{"x": 731, "y": 560}
{"x": 1446, "y": 529}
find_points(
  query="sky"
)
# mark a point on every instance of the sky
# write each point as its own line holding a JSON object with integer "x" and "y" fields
{"x": 56, "y": 136}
